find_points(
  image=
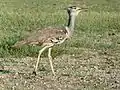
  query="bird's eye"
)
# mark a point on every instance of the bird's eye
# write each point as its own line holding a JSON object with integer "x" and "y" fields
{"x": 79, "y": 9}
{"x": 73, "y": 7}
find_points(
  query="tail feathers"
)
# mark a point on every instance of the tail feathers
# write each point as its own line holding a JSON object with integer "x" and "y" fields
{"x": 19, "y": 44}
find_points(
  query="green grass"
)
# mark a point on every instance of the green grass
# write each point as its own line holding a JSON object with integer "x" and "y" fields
{"x": 96, "y": 29}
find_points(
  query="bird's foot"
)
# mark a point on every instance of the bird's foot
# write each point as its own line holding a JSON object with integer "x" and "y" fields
{"x": 35, "y": 73}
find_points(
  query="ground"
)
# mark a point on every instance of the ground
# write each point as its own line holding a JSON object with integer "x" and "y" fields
{"x": 90, "y": 70}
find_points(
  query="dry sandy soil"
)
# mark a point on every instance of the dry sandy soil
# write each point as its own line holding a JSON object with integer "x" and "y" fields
{"x": 91, "y": 70}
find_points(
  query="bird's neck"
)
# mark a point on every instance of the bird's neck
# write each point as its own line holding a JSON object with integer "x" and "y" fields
{"x": 71, "y": 23}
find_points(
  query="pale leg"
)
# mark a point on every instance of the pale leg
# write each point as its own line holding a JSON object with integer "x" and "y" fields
{"x": 40, "y": 52}
{"x": 50, "y": 60}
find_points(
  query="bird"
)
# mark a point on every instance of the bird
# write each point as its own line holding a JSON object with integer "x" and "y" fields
{"x": 50, "y": 36}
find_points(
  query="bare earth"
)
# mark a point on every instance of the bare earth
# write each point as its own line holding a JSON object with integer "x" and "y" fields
{"x": 91, "y": 70}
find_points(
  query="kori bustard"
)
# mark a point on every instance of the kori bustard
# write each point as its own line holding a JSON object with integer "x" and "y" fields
{"x": 49, "y": 37}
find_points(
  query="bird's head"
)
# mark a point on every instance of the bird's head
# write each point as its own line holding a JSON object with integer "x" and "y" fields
{"x": 73, "y": 10}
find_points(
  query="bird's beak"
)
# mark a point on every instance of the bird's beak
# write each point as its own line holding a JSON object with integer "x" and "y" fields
{"x": 83, "y": 9}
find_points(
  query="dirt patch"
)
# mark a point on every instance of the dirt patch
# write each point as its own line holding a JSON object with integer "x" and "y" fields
{"x": 87, "y": 71}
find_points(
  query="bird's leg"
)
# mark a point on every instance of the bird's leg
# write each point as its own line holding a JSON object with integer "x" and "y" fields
{"x": 50, "y": 60}
{"x": 40, "y": 52}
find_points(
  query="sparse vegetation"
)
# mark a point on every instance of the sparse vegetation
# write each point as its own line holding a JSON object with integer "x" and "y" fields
{"x": 89, "y": 61}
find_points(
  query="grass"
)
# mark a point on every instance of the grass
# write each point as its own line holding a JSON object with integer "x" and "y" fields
{"x": 94, "y": 28}
{"x": 93, "y": 49}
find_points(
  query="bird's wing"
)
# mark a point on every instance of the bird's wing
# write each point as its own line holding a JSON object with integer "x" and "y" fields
{"x": 46, "y": 35}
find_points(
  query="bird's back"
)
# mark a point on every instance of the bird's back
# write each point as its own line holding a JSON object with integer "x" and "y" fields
{"x": 47, "y": 35}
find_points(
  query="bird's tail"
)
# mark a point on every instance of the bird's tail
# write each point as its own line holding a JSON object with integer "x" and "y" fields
{"x": 19, "y": 44}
